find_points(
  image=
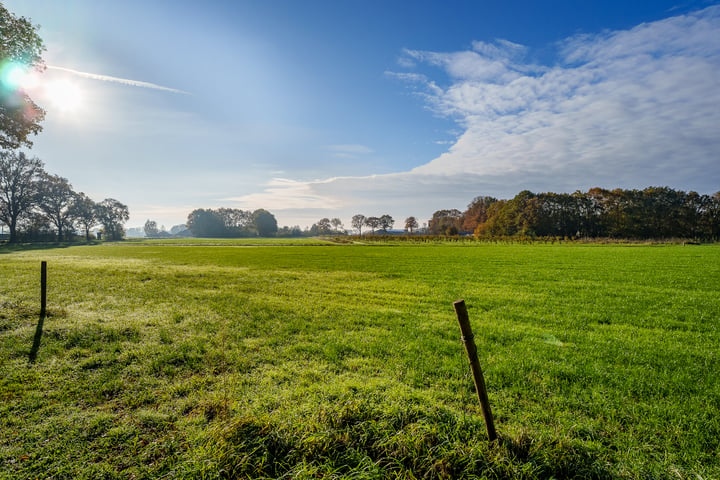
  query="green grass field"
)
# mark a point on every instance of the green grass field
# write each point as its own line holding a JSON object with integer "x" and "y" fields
{"x": 162, "y": 360}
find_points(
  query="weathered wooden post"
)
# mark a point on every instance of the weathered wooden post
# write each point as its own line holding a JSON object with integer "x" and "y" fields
{"x": 471, "y": 349}
{"x": 43, "y": 288}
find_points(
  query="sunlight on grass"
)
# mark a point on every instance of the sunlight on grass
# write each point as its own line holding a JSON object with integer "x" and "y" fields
{"x": 189, "y": 361}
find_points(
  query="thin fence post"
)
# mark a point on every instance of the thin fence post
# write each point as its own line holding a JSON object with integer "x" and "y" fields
{"x": 43, "y": 288}
{"x": 471, "y": 349}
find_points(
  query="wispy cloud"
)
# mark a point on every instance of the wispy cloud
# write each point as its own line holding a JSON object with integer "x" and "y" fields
{"x": 284, "y": 194}
{"x": 349, "y": 150}
{"x": 108, "y": 78}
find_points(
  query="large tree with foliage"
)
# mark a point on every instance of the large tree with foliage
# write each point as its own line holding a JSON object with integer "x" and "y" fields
{"x": 19, "y": 182}
{"x": 386, "y": 222}
{"x": 476, "y": 213}
{"x": 55, "y": 201}
{"x": 238, "y": 223}
{"x": 323, "y": 226}
{"x": 372, "y": 223}
{"x": 445, "y": 222}
{"x": 85, "y": 213}
{"x": 20, "y": 50}
{"x": 411, "y": 224}
{"x": 204, "y": 222}
{"x": 265, "y": 223}
{"x": 113, "y": 214}
{"x": 151, "y": 229}
{"x": 358, "y": 222}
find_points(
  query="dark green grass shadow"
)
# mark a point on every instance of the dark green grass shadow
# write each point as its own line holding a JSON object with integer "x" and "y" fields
{"x": 6, "y": 248}
{"x": 363, "y": 439}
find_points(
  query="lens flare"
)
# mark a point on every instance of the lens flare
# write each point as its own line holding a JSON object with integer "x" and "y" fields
{"x": 12, "y": 75}
{"x": 18, "y": 81}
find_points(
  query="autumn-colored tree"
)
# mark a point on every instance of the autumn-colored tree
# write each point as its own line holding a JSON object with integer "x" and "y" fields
{"x": 492, "y": 226}
{"x": 654, "y": 212}
{"x": 476, "y": 213}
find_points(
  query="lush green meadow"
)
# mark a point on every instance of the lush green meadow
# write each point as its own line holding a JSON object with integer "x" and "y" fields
{"x": 165, "y": 360}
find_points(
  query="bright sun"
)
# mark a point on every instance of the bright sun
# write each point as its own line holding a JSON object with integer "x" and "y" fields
{"x": 64, "y": 95}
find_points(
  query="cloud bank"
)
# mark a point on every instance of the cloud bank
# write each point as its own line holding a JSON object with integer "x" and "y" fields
{"x": 623, "y": 109}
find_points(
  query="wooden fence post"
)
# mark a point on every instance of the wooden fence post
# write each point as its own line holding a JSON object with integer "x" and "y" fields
{"x": 471, "y": 349}
{"x": 43, "y": 287}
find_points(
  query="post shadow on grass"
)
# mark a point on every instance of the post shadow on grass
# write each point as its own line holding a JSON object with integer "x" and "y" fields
{"x": 37, "y": 338}
{"x": 43, "y": 303}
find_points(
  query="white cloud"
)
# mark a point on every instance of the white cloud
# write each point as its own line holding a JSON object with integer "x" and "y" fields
{"x": 162, "y": 214}
{"x": 626, "y": 105}
{"x": 284, "y": 194}
{"x": 408, "y": 77}
{"x": 620, "y": 109}
{"x": 501, "y": 49}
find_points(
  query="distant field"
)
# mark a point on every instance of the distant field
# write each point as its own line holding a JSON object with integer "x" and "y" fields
{"x": 254, "y": 241}
{"x": 303, "y": 361}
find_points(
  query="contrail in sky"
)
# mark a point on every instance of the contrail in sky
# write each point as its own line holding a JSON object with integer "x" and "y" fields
{"x": 124, "y": 81}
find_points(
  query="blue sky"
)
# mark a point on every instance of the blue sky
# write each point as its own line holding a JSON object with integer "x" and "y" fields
{"x": 316, "y": 109}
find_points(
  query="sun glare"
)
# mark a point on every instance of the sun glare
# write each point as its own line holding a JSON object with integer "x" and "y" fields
{"x": 64, "y": 95}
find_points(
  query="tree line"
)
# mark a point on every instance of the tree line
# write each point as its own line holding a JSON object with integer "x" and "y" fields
{"x": 37, "y": 205}
{"x": 654, "y": 212}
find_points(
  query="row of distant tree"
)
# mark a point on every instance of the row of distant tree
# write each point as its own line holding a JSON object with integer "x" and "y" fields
{"x": 359, "y": 222}
{"x": 37, "y": 205}
{"x": 655, "y": 212}
{"x": 232, "y": 222}
{"x": 382, "y": 223}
